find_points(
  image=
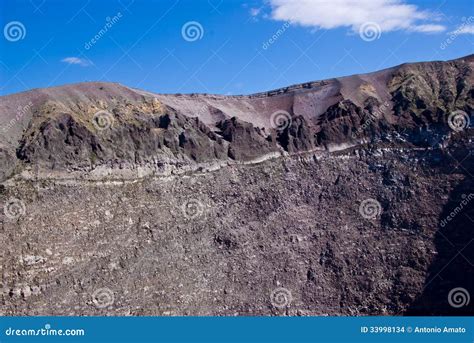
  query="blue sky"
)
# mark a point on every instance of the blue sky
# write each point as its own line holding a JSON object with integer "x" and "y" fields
{"x": 221, "y": 46}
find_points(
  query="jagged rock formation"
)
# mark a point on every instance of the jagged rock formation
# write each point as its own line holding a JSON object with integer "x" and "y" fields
{"x": 203, "y": 204}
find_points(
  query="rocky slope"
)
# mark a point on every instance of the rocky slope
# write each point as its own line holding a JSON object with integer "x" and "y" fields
{"x": 331, "y": 197}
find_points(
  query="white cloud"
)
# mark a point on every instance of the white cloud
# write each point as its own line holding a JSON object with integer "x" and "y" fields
{"x": 429, "y": 28}
{"x": 76, "y": 60}
{"x": 464, "y": 30}
{"x": 390, "y": 15}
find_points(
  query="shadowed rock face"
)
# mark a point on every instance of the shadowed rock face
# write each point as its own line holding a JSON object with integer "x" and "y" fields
{"x": 334, "y": 191}
{"x": 62, "y": 142}
{"x": 451, "y": 270}
{"x": 246, "y": 141}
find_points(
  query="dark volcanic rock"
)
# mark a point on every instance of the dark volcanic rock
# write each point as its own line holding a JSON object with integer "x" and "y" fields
{"x": 59, "y": 141}
{"x": 298, "y": 136}
{"x": 62, "y": 142}
{"x": 246, "y": 141}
